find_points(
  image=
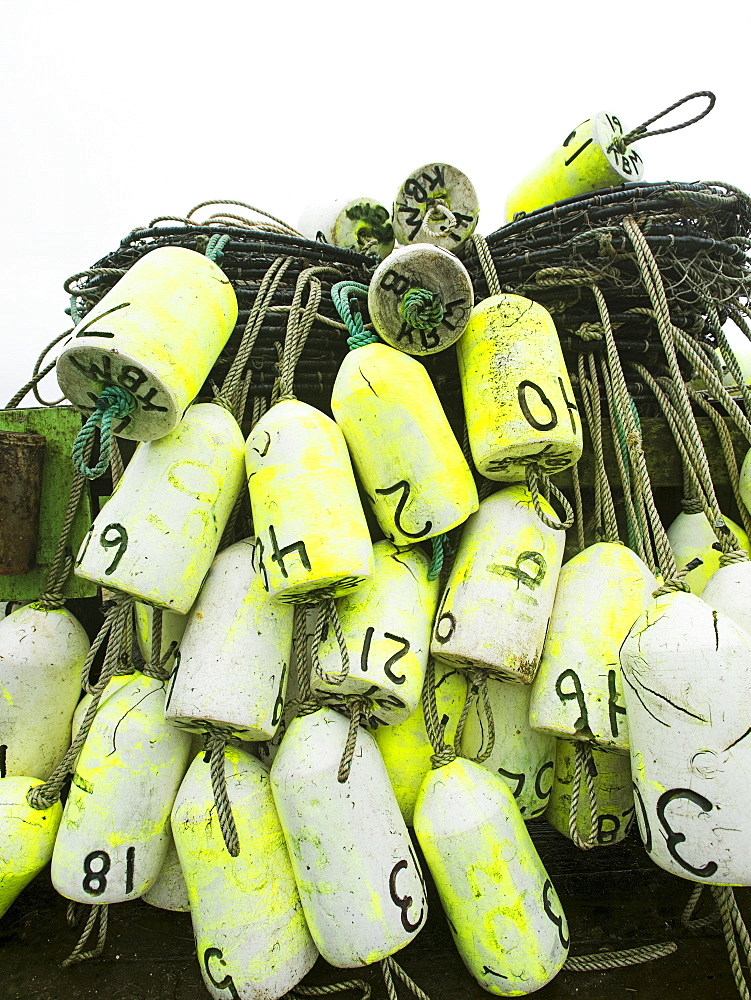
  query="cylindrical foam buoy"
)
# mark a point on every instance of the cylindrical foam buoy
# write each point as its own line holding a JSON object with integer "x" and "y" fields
{"x": 585, "y": 161}
{"x": 420, "y": 298}
{"x": 359, "y": 881}
{"x": 692, "y": 538}
{"x": 156, "y": 536}
{"x": 173, "y": 628}
{"x": 113, "y": 837}
{"x": 577, "y": 693}
{"x": 504, "y": 914}
{"x": 744, "y": 481}
{"x": 157, "y": 333}
{"x": 408, "y": 460}
{"x": 687, "y": 672}
{"x": 42, "y": 653}
{"x": 360, "y": 224}
{"x": 496, "y": 606}
{"x": 522, "y": 758}
{"x": 235, "y": 654}
{"x": 518, "y": 400}
{"x": 169, "y": 892}
{"x": 27, "y": 836}
{"x": 729, "y": 590}
{"x": 386, "y": 625}
{"x": 312, "y": 540}
{"x": 406, "y": 747}
{"x": 613, "y": 791}
{"x": 251, "y": 938}
{"x": 436, "y": 204}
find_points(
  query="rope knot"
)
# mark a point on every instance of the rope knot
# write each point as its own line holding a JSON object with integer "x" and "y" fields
{"x": 113, "y": 403}
{"x": 421, "y": 308}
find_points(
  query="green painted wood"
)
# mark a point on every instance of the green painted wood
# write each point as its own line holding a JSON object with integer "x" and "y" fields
{"x": 60, "y": 426}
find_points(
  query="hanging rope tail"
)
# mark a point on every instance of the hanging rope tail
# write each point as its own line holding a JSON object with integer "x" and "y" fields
{"x": 215, "y": 746}
{"x": 114, "y": 403}
{"x": 620, "y": 142}
{"x": 341, "y": 293}
{"x": 421, "y": 309}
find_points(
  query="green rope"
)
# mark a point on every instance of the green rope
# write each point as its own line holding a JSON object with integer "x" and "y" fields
{"x": 113, "y": 404}
{"x": 440, "y": 546}
{"x": 421, "y": 308}
{"x": 341, "y": 293}
{"x": 215, "y": 247}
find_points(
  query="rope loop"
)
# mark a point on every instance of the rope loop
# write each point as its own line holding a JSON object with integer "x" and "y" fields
{"x": 341, "y": 293}
{"x": 421, "y": 309}
{"x": 215, "y": 246}
{"x": 113, "y": 403}
{"x": 357, "y": 707}
{"x": 620, "y": 142}
{"x": 78, "y": 954}
{"x": 440, "y": 547}
{"x": 534, "y": 473}
{"x": 437, "y": 211}
{"x": 619, "y": 959}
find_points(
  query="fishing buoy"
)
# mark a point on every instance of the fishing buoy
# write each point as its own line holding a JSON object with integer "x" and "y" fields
{"x": 27, "y": 836}
{"x": 420, "y": 298}
{"x": 156, "y": 536}
{"x": 386, "y": 625}
{"x": 312, "y": 540}
{"x": 687, "y": 671}
{"x": 251, "y": 938}
{"x": 235, "y": 653}
{"x": 504, "y": 914}
{"x": 495, "y": 609}
{"x": 8, "y": 607}
{"x": 408, "y": 460}
{"x": 113, "y": 837}
{"x": 729, "y": 590}
{"x": 42, "y": 653}
{"x": 406, "y": 748}
{"x": 169, "y": 892}
{"x": 436, "y": 204}
{"x": 173, "y": 629}
{"x": 359, "y": 881}
{"x": 692, "y": 538}
{"x": 519, "y": 405}
{"x": 613, "y": 791}
{"x": 577, "y": 693}
{"x": 522, "y": 758}
{"x": 744, "y": 481}
{"x": 586, "y": 160}
{"x": 360, "y": 224}
{"x": 157, "y": 333}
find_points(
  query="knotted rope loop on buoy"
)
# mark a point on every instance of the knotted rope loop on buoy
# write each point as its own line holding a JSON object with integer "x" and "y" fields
{"x": 78, "y": 954}
{"x": 620, "y": 142}
{"x": 478, "y": 693}
{"x": 444, "y": 753}
{"x": 328, "y": 616}
{"x": 341, "y": 293}
{"x": 421, "y": 308}
{"x": 436, "y": 212}
{"x": 115, "y": 403}
{"x": 534, "y": 475}
{"x": 389, "y": 966}
{"x": 215, "y": 747}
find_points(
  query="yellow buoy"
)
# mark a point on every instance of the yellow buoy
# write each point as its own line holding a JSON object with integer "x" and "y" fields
{"x": 693, "y": 540}
{"x": 27, "y": 836}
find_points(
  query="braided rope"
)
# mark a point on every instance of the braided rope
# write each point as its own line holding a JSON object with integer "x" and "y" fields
{"x": 329, "y": 616}
{"x": 440, "y": 544}
{"x": 443, "y": 752}
{"x": 357, "y": 707}
{"x": 421, "y": 309}
{"x": 113, "y": 403}
{"x": 619, "y": 959}
{"x": 487, "y": 263}
{"x": 321, "y": 991}
{"x": 534, "y": 476}
{"x": 389, "y": 966}
{"x": 215, "y": 246}
{"x": 78, "y": 954}
{"x": 341, "y": 293}
{"x": 299, "y": 322}
{"x": 584, "y": 764}
{"x": 732, "y": 924}
{"x": 620, "y": 142}
{"x": 215, "y": 747}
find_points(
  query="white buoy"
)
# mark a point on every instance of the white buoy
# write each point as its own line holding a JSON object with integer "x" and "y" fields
{"x": 156, "y": 536}
{"x": 386, "y": 625}
{"x": 360, "y": 224}
{"x": 412, "y": 470}
{"x": 613, "y": 791}
{"x": 173, "y": 628}
{"x": 312, "y": 540}
{"x": 27, "y": 836}
{"x": 436, "y": 204}
{"x": 433, "y": 318}
{"x": 113, "y": 837}
{"x": 744, "y": 481}
{"x": 577, "y": 693}
{"x": 522, "y": 758}
{"x": 692, "y": 538}
{"x": 687, "y": 672}
{"x": 251, "y": 938}
{"x": 729, "y": 590}
{"x": 359, "y": 881}
{"x": 235, "y": 654}
{"x": 504, "y": 914}
{"x": 169, "y": 892}
{"x": 518, "y": 400}
{"x": 8, "y": 607}
{"x": 157, "y": 333}
{"x": 406, "y": 748}
{"x": 495, "y": 609}
{"x": 585, "y": 161}
{"x": 42, "y": 653}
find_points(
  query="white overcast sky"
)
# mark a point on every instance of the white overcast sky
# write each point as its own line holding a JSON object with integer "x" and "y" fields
{"x": 113, "y": 113}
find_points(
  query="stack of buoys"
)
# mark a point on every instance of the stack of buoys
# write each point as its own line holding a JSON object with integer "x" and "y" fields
{"x": 273, "y": 699}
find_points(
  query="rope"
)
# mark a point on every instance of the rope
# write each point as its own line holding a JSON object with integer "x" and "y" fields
{"x": 389, "y": 966}
{"x": 329, "y": 616}
{"x": 478, "y": 693}
{"x": 687, "y": 917}
{"x": 438, "y": 211}
{"x": 299, "y": 322}
{"x": 307, "y": 704}
{"x": 37, "y": 375}
{"x": 421, "y": 308}
{"x": 78, "y": 954}
{"x": 732, "y": 925}
{"x": 534, "y": 475}
{"x": 440, "y": 545}
{"x": 620, "y": 142}
{"x": 341, "y": 293}
{"x": 215, "y": 747}
{"x": 604, "y": 506}
{"x": 584, "y": 763}
{"x": 619, "y": 959}
{"x": 215, "y": 246}
{"x": 444, "y": 753}
{"x": 357, "y": 708}
{"x": 320, "y": 991}
{"x": 486, "y": 262}
{"x": 114, "y": 403}
{"x": 241, "y": 204}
